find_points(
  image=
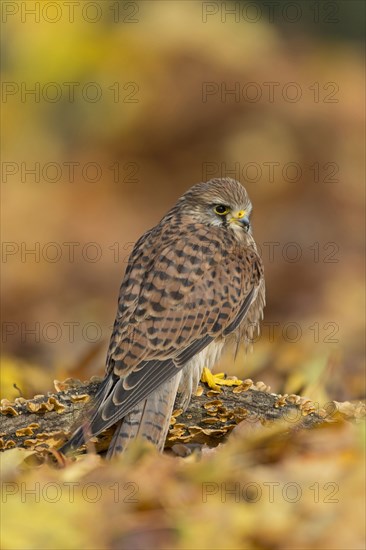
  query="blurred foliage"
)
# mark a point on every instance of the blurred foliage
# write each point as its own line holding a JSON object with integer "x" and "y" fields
{"x": 163, "y": 143}
{"x": 263, "y": 489}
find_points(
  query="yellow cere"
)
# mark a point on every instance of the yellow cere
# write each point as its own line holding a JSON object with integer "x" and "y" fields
{"x": 240, "y": 214}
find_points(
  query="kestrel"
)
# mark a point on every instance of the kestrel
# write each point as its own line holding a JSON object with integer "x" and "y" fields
{"x": 193, "y": 282}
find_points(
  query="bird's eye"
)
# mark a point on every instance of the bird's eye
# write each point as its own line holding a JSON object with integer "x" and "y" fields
{"x": 221, "y": 210}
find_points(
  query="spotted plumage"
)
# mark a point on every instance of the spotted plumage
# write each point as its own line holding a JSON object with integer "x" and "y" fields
{"x": 192, "y": 282}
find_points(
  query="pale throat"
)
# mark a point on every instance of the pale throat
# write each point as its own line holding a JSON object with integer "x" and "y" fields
{"x": 239, "y": 233}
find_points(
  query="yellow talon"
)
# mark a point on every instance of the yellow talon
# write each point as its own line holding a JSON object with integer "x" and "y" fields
{"x": 214, "y": 381}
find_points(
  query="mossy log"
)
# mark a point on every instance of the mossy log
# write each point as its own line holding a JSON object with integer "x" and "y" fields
{"x": 47, "y": 420}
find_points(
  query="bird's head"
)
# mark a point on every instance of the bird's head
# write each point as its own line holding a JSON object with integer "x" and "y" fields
{"x": 221, "y": 202}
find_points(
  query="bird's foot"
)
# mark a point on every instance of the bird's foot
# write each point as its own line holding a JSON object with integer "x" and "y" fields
{"x": 214, "y": 381}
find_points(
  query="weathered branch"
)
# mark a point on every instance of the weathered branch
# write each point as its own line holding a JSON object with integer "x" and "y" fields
{"x": 46, "y": 420}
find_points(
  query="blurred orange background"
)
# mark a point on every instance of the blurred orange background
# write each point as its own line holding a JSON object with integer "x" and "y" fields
{"x": 110, "y": 112}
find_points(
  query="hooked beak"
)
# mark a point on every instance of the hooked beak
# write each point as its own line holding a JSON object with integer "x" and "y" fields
{"x": 241, "y": 219}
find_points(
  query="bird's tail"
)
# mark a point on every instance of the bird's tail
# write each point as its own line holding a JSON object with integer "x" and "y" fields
{"x": 83, "y": 432}
{"x": 149, "y": 420}
{"x": 74, "y": 442}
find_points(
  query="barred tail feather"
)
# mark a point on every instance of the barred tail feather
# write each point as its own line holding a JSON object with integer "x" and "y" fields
{"x": 74, "y": 442}
{"x": 149, "y": 420}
